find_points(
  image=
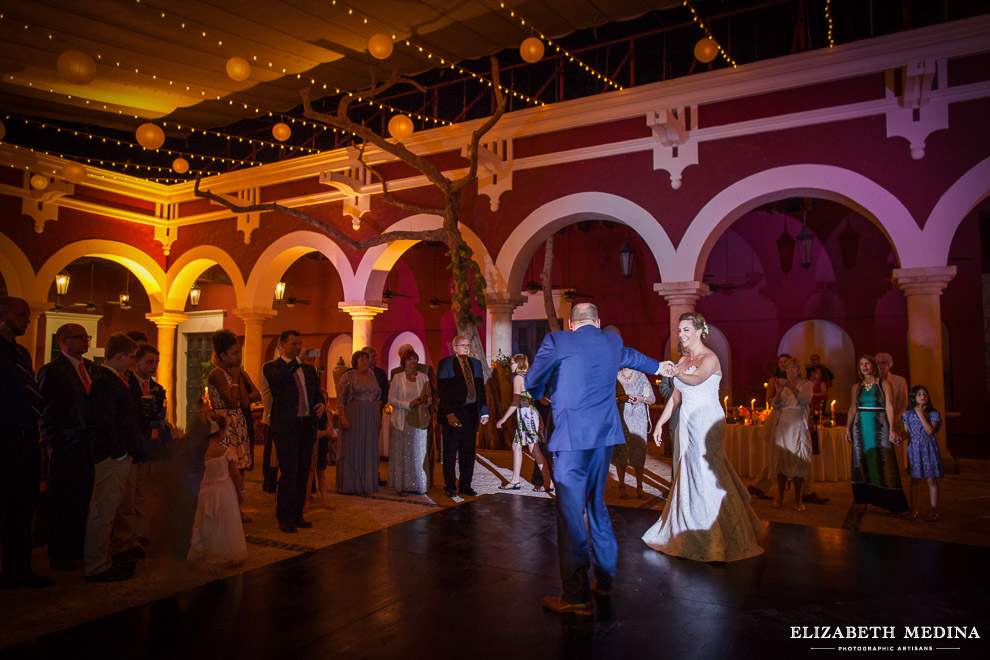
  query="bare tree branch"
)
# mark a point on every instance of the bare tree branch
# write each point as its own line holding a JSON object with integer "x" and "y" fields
{"x": 545, "y": 279}
{"x": 480, "y": 132}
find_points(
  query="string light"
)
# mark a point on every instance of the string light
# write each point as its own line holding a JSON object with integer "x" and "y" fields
{"x": 701, "y": 24}
{"x": 828, "y": 18}
{"x": 570, "y": 57}
{"x": 102, "y": 162}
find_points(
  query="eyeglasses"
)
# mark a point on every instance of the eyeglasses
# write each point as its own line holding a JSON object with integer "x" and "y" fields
{"x": 86, "y": 337}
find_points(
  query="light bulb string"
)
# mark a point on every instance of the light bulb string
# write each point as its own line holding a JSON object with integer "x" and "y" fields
{"x": 708, "y": 33}
{"x": 100, "y": 161}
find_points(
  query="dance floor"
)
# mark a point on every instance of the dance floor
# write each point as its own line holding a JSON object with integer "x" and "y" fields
{"x": 465, "y": 582}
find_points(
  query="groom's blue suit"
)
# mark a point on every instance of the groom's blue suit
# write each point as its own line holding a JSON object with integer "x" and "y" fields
{"x": 586, "y": 427}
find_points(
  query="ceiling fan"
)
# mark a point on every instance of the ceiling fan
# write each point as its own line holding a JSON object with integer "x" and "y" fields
{"x": 90, "y": 306}
{"x": 436, "y": 302}
{"x": 292, "y": 301}
{"x": 570, "y": 294}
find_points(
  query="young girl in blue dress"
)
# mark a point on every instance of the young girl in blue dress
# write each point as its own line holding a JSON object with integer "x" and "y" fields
{"x": 922, "y": 422}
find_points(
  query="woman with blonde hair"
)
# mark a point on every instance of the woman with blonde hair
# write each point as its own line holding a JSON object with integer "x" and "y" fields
{"x": 528, "y": 427}
{"x": 790, "y": 451}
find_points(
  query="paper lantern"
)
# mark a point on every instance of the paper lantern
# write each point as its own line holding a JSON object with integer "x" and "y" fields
{"x": 76, "y": 67}
{"x": 531, "y": 50}
{"x": 73, "y": 172}
{"x": 380, "y": 46}
{"x": 238, "y": 69}
{"x": 706, "y": 50}
{"x": 150, "y": 136}
{"x": 3, "y": 130}
{"x": 180, "y": 165}
{"x": 281, "y": 131}
{"x": 400, "y": 127}
{"x": 39, "y": 182}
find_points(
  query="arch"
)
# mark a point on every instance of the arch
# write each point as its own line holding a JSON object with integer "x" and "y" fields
{"x": 340, "y": 347}
{"x": 378, "y": 261}
{"x": 193, "y": 263}
{"x": 142, "y": 266}
{"x": 949, "y": 212}
{"x": 282, "y": 253}
{"x": 510, "y": 267}
{"x": 833, "y": 344}
{"x": 406, "y": 337}
{"x": 15, "y": 268}
{"x": 821, "y": 181}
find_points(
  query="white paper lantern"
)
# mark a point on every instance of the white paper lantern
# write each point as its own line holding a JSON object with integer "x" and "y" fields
{"x": 400, "y": 127}
{"x": 39, "y": 181}
{"x": 150, "y": 136}
{"x": 74, "y": 172}
{"x": 531, "y": 50}
{"x": 180, "y": 165}
{"x": 380, "y": 46}
{"x": 3, "y": 130}
{"x": 706, "y": 50}
{"x": 238, "y": 68}
{"x": 281, "y": 131}
{"x": 76, "y": 67}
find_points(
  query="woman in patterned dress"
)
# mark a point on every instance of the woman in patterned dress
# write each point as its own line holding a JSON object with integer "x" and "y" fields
{"x": 359, "y": 408}
{"x": 407, "y": 452}
{"x": 634, "y": 403}
{"x": 875, "y": 479}
{"x": 228, "y": 393}
{"x": 528, "y": 429}
{"x": 922, "y": 422}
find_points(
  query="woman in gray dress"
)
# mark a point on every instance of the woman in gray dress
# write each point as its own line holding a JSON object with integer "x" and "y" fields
{"x": 634, "y": 401}
{"x": 359, "y": 408}
{"x": 407, "y": 459}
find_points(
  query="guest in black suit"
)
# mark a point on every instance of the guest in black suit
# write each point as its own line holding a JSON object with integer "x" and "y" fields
{"x": 64, "y": 384}
{"x": 460, "y": 380}
{"x": 291, "y": 391}
{"x": 20, "y": 469}
{"x": 115, "y": 431}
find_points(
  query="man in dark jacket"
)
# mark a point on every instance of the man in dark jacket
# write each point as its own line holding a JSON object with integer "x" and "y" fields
{"x": 115, "y": 431}
{"x": 65, "y": 384}
{"x": 460, "y": 380}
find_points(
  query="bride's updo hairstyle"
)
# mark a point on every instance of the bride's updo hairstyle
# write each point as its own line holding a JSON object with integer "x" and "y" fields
{"x": 698, "y": 321}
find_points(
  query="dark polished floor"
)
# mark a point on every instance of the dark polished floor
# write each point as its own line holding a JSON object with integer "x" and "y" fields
{"x": 465, "y": 583}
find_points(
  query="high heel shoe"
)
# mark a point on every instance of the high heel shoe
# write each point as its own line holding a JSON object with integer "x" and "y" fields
{"x": 912, "y": 516}
{"x": 933, "y": 517}
{"x": 800, "y": 507}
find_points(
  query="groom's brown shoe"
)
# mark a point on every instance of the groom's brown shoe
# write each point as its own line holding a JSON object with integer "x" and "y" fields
{"x": 601, "y": 591}
{"x": 558, "y": 604}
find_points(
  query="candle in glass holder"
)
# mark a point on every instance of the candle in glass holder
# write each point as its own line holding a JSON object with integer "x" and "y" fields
{"x": 752, "y": 405}
{"x": 725, "y": 402}
{"x": 766, "y": 405}
{"x": 833, "y": 409}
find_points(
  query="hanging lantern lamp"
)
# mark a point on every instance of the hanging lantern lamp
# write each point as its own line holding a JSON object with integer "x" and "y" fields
{"x": 380, "y": 46}
{"x": 238, "y": 69}
{"x": 76, "y": 67}
{"x": 281, "y": 131}
{"x": 531, "y": 50}
{"x": 74, "y": 172}
{"x": 150, "y": 136}
{"x": 194, "y": 294}
{"x": 39, "y": 181}
{"x": 180, "y": 165}
{"x": 400, "y": 127}
{"x": 706, "y": 50}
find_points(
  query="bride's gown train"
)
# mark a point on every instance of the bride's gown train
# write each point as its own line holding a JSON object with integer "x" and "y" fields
{"x": 707, "y": 516}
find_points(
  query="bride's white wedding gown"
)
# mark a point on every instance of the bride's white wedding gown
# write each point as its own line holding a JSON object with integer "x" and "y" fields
{"x": 707, "y": 516}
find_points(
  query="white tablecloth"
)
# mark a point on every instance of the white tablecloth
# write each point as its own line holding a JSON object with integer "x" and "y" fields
{"x": 748, "y": 449}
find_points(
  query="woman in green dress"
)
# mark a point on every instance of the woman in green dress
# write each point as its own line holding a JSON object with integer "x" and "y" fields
{"x": 870, "y": 431}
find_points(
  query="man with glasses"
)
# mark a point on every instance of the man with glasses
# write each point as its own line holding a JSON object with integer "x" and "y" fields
{"x": 65, "y": 384}
{"x": 115, "y": 429}
{"x": 20, "y": 409}
{"x": 461, "y": 383}
{"x": 899, "y": 386}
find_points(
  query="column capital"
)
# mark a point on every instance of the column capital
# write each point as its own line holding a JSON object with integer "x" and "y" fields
{"x": 502, "y": 303}
{"x": 167, "y": 319}
{"x": 363, "y": 309}
{"x": 926, "y": 280}
{"x": 687, "y": 293}
{"x": 39, "y": 307}
{"x": 254, "y": 314}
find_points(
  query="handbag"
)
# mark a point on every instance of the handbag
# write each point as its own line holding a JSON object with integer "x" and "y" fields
{"x": 419, "y": 416}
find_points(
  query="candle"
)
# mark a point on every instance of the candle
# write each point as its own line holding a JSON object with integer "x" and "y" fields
{"x": 833, "y": 408}
{"x": 766, "y": 405}
{"x": 725, "y": 401}
{"x": 752, "y": 405}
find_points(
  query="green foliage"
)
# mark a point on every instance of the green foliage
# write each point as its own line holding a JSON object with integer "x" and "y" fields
{"x": 469, "y": 284}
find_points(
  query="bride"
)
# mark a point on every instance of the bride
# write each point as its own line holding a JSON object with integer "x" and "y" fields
{"x": 707, "y": 516}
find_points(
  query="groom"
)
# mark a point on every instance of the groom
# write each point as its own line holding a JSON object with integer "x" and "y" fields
{"x": 587, "y": 426}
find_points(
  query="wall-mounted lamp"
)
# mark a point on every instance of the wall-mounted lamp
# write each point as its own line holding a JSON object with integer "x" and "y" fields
{"x": 626, "y": 255}
{"x": 280, "y": 292}
{"x": 194, "y": 293}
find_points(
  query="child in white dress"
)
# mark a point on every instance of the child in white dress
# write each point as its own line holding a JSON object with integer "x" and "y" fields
{"x": 218, "y": 535}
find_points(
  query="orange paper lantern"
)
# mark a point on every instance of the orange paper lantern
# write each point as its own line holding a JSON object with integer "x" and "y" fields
{"x": 3, "y": 130}
{"x": 706, "y": 50}
{"x": 39, "y": 181}
{"x": 180, "y": 165}
{"x": 150, "y": 136}
{"x": 400, "y": 127}
{"x": 76, "y": 67}
{"x": 531, "y": 50}
{"x": 73, "y": 172}
{"x": 380, "y": 46}
{"x": 238, "y": 69}
{"x": 281, "y": 131}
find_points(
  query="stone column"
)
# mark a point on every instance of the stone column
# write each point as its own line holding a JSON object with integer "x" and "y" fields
{"x": 166, "y": 323}
{"x": 30, "y": 339}
{"x": 500, "y": 308}
{"x": 681, "y": 298}
{"x": 923, "y": 287}
{"x": 362, "y": 312}
{"x": 254, "y": 321}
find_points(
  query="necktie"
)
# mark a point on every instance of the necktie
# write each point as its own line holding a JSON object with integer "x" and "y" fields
{"x": 31, "y": 385}
{"x": 84, "y": 376}
{"x": 472, "y": 395}
{"x": 144, "y": 388}
{"x": 303, "y": 408}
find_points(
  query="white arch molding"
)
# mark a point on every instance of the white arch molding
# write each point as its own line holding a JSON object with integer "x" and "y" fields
{"x": 340, "y": 347}
{"x": 282, "y": 253}
{"x": 193, "y": 263}
{"x": 835, "y": 184}
{"x": 377, "y": 262}
{"x": 15, "y": 268}
{"x": 949, "y": 212}
{"x": 519, "y": 247}
{"x": 406, "y": 337}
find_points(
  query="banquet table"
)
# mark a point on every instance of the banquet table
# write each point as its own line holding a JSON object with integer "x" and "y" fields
{"x": 748, "y": 449}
